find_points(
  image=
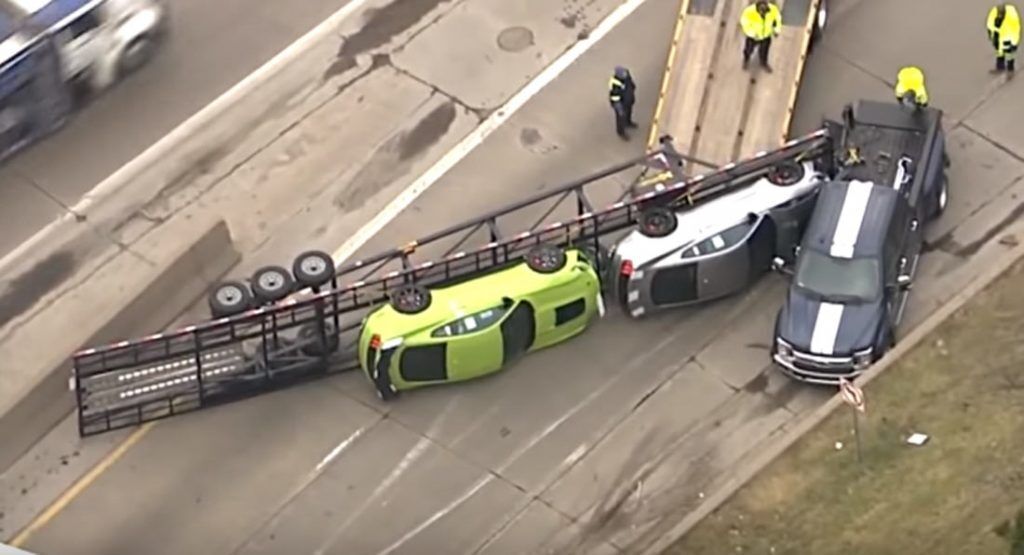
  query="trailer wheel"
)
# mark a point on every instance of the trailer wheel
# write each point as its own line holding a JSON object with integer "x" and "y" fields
{"x": 309, "y": 337}
{"x": 136, "y": 53}
{"x": 271, "y": 284}
{"x": 786, "y": 174}
{"x": 410, "y": 299}
{"x": 313, "y": 268}
{"x": 546, "y": 259}
{"x": 820, "y": 23}
{"x": 657, "y": 222}
{"x": 229, "y": 298}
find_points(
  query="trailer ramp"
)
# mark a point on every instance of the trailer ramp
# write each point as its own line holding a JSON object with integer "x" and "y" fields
{"x": 716, "y": 111}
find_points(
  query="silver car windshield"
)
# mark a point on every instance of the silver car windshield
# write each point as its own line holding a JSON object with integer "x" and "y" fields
{"x": 838, "y": 279}
{"x": 719, "y": 241}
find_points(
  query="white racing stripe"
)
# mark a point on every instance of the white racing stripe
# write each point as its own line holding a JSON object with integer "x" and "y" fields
{"x": 483, "y": 131}
{"x": 858, "y": 193}
{"x": 826, "y": 328}
{"x": 851, "y": 218}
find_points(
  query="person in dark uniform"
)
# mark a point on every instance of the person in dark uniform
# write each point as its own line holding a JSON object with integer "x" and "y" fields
{"x": 622, "y": 95}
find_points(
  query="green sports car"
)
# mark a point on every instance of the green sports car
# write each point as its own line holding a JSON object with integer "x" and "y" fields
{"x": 473, "y": 328}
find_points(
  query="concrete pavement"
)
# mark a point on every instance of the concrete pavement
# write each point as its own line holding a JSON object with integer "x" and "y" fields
{"x": 600, "y": 445}
{"x": 211, "y": 46}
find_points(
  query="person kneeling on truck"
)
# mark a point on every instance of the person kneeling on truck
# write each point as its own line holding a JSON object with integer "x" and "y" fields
{"x": 910, "y": 88}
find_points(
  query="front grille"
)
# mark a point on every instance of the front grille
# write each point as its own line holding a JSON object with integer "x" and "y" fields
{"x": 819, "y": 369}
{"x": 808, "y": 361}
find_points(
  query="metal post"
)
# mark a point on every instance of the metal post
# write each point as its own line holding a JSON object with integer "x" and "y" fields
{"x": 197, "y": 342}
{"x": 856, "y": 433}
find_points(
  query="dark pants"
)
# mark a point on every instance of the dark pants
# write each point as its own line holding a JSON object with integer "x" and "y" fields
{"x": 623, "y": 116}
{"x": 762, "y": 47}
{"x": 1004, "y": 58}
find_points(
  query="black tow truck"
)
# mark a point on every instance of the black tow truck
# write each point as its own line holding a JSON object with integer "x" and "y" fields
{"x": 859, "y": 254}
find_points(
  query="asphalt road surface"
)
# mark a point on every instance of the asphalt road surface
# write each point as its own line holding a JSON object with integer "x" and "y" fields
{"x": 211, "y": 46}
{"x": 596, "y": 446}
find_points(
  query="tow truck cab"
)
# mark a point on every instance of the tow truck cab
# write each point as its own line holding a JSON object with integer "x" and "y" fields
{"x": 860, "y": 252}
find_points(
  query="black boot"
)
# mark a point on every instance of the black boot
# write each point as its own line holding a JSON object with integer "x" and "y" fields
{"x": 1000, "y": 64}
{"x": 1009, "y": 66}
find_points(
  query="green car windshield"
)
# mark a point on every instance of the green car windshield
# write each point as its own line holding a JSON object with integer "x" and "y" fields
{"x": 471, "y": 323}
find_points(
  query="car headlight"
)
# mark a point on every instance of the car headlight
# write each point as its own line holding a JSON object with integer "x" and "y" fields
{"x": 863, "y": 359}
{"x": 783, "y": 349}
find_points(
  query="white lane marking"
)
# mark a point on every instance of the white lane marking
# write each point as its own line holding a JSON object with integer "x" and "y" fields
{"x": 408, "y": 459}
{"x": 439, "y": 514}
{"x": 826, "y": 328}
{"x": 851, "y": 218}
{"x": 483, "y": 131}
{"x": 271, "y": 522}
{"x": 575, "y": 457}
{"x": 125, "y": 175}
{"x": 338, "y": 449}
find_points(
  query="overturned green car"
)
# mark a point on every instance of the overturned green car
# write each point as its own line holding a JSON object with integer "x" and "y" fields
{"x": 474, "y": 328}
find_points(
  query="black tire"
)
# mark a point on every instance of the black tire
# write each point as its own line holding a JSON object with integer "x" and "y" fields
{"x": 942, "y": 198}
{"x": 657, "y": 222}
{"x": 382, "y": 385}
{"x": 410, "y": 299}
{"x": 309, "y": 336}
{"x": 136, "y": 54}
{"x": 546, "y": 259}
{"x": 385, "y": 393}
{"x": 887, "y": 343}
{"x": 313, "y": 268}
{"x": 229, "y": 298}
{"x": 818, "y": 30}
{"x": 786, "y": 174}
{"x": 271, "y": 284}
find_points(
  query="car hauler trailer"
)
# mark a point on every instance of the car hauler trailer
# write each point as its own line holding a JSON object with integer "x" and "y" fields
{"x": 289, "y": 328}
{"x": 716, "y": 111}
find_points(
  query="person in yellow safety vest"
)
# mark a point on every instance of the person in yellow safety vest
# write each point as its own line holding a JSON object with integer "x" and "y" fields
{"x": 760, "y": 21}
{"x": 1004, "y": 31}
{"x": 910, "y": 88}
{"x": 622, "y": 95}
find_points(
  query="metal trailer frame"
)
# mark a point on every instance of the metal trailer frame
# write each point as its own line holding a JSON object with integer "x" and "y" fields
{"x": 298, "y": 339}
